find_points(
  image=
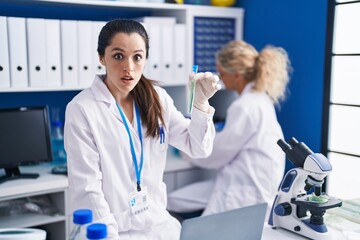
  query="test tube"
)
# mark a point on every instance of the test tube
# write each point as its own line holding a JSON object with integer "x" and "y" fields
{"x": 192, "y": 89}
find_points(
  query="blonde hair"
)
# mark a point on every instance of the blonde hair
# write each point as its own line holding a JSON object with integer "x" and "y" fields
{"x": 269, "y": 69}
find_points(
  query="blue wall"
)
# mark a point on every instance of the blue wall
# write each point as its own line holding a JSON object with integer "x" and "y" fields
{"x": 300, "y": 28}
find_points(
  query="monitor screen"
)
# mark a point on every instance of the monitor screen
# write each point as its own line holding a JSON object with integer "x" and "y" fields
{"x": 24, "y": 138}
{"x": 221, "y": 101}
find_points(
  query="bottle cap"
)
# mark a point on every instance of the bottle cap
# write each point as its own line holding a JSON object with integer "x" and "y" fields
{"x": 82, "y": 216}
{"x": 96, "y": 231}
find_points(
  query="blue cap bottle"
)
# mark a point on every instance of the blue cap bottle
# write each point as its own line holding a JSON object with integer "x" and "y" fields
{"x": 96, "y": 231}
{"x": 81, "y": 218}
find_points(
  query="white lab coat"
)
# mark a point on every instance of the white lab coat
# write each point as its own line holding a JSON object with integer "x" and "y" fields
{"x": 250, "y": 163}
{"x": 100, "y": 166}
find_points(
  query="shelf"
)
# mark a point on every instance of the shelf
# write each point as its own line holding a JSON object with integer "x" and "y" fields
{"x": 132, "y": 4}
{"x": 64, "y": 88}
{"x": 47, "y": 187}
{"x": 45, "y": 183}
{"x": 124, "y": 4}
{"x": 41, "y": 89}
{"x": 28, "y": 220}
{"x": 184, "y": 14}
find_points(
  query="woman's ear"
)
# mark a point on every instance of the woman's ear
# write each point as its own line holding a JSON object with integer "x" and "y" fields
{"x": 238, "y": 76}
{"x": 102, "y": 60}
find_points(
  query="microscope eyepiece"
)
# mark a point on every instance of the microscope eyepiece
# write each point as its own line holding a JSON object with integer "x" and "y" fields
{"x": 284, "y": 146}
{"x": 296, "y": 152}
{"x": 293, "y": 141}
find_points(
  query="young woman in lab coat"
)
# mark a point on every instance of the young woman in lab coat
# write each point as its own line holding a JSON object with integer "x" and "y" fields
{"x": 250, "y": 164}
{"x": 117, "y": 133}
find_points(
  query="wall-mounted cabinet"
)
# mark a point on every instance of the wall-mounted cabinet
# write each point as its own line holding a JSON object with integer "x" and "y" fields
{"x": 203, "y": 30}
{"x": 197, "y": 32}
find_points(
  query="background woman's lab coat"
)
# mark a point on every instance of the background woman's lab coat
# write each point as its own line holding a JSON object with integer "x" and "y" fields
{"x": 250, "y": 163}
{"x": 101, "y": 170}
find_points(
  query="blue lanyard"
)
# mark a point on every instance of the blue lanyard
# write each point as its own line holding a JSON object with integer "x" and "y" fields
{"x": 137, "y": 169}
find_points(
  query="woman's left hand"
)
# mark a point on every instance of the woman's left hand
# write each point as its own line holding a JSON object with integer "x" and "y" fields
{"x": 207, "y": 84}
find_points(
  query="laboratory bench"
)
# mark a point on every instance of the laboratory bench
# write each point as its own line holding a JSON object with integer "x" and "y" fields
{"x": 178, "y": 173}
{"x": 283, "y": 234}
{"x": 177, "y": 166}
{"x": 47, "y": 188}
{"x": 53, "y": 189}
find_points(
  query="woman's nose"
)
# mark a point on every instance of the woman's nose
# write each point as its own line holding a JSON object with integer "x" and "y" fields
{"x": 128, "y": 66}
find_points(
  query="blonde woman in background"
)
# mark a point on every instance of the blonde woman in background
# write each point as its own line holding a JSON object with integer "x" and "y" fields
{"x": 250, "y": 164}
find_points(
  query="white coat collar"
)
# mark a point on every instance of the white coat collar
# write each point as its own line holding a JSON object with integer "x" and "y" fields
{"x": 248, "y": 88}
{"x": 103, "y": 94}
{"x": 100, "y": 90}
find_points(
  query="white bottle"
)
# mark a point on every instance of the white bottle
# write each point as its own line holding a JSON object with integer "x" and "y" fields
{"x": 81, "y": 218}
{"x": 96, "y": 231}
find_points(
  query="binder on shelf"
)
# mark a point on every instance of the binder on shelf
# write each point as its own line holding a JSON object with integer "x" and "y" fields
{"x": 180, "y": 51}
{"x": 97, "y": 67}
{"x": 146, "y": 71}
{"x": 53, "y": 52}
{"x": 36, "y": 51}
{"x": 69, "y": 52}
{"x": 154, "y": 59}
{"x": 17, "y": 52}
{"x": 167, "y": 53}
{"x": 4, "y": 54}
{"x": 160, "y": 65}
{"x": 85, "y": 53}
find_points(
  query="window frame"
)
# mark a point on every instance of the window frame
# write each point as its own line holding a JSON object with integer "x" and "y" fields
{"x": 332, "y": 4}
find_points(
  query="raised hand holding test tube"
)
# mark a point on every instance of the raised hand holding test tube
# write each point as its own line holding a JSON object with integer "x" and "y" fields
{"x": 192, "y": 88}
{"x": 202, "y": 87}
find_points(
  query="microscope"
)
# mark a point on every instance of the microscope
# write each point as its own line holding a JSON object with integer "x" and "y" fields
{"x": 300, "y": 203}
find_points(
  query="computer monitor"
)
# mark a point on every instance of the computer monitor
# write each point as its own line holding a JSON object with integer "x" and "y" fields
{"x": 24, "y": 140}
{"x": 221, "y": 101}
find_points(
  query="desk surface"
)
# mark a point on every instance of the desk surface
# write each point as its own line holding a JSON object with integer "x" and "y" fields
{"x": 48, "y": 181}
{"x": 283, "y": 234}
{"x": 44, "y": 183}
{"x": 51, "y": 182}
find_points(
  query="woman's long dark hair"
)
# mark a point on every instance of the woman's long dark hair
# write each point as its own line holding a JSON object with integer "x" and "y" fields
{"x": 144, "y": 92}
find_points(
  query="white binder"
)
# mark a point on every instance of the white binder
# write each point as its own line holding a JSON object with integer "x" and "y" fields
{"x": 146, "y": 71}
{"x": 69, "y": 52}
{"x": 53, "y": 52}
{"x": 167, "y": 54}
{"x": 4, "y": 55}
{"x": 17, "y": 52}
{"x": 154, "y": 60}
{"x": 180, "y": 67}
{"x": 85, "y": 53}
{"x": 98, "y": 68}
{"x": 159, "y": 66}
{"x": 36, "y": 51}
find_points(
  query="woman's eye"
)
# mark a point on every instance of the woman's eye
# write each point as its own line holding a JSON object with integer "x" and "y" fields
{"x": 118, "y": 56}
{"x": 138, "y": 57}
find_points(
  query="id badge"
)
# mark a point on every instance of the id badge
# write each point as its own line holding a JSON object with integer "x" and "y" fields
{"x": 139, "y": 201}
